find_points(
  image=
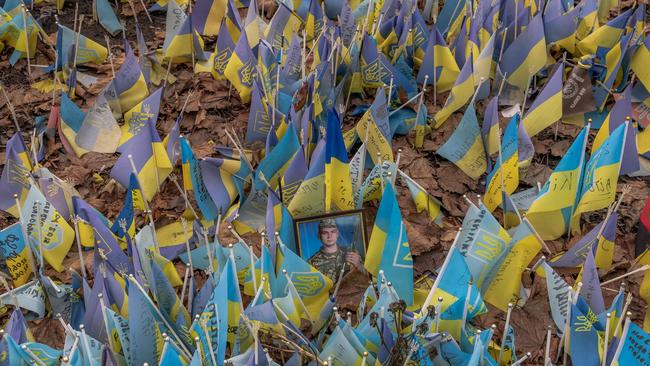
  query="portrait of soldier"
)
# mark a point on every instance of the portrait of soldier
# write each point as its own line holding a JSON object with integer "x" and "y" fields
{"x": 331, "y": 258}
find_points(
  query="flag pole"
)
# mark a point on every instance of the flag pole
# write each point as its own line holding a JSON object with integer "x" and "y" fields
{"x": 11, "y": 108}
{"x": 641, "y": 269}
{"x": 110, "y": 54}
{"x": 436, "y": 283}
{"x": 29, "y": 63}
{"x": 505, "y": 332}
{"x": 621, "y": 343}
{"x": 606, "y": 338}
{"x": 75, "y": 223}
{"x": 146, "y": 204}
{"x": 183, "y": 349}
{"x": 547, "y": 349}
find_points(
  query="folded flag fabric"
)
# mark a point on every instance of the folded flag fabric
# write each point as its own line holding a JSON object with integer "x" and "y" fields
{"x": 15, "y": 175}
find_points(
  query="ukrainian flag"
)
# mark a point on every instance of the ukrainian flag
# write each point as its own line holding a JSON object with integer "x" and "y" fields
{"x": 511, "y": 217}
{"x": 55, "y": 237}
{"x": 241, "y": 68}
{"x": 606, "y": 36}
{"x": 490, "y": 129}
{"x": 506, "y": 284}
{"x": 551, "y": 211}
{"x": 13, "y": 32}
{"x": 263, "y": 268}
{"x": 640, "y": 62}
{"x": 138, "y": 118}
{"x": 151, "y": 162}
{"x": 587, "y": 18}
{"x": 601, "y": 175}
{"x": 561, "y": 30}
{"x": 134, "y": 199}
{"x": 438, "y": 56}
{"x": 89, "y": 50}
{"x": 526, "y": 55}
{"x": 276, "y": 162}
{"x": 424, "y": 201}
{"x": 388, "y": 249}
{"x": 312, "y": 286}
{"x": 314, "y": 22}
{"x": 465, "y": 146}
{"x": 421, "y": 126}
{"x": 193, "y": 180}
{"x": 338, "y": 186}
{"x": 459, "y": 95}
{"x": 71, "y": 119}
{"x": 169, "y": 303}
{"x": 129, "y": 85}
{"x": 219, "y": 180}
{"x": 613, "y": 61}
{"x": 308, "y": 199}
{"x": 374, "y": 125}
{"x": 207, "y": 16}
{"x": 619, "y": 113}
{"x": 18, "y": 256}
{"x": 547, "y": 107}
{"x": 184, "y": 43}
{"x": 14, "y": 179}
{"x": 505, "y": 174}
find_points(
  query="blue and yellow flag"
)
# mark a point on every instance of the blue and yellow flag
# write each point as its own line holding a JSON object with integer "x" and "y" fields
{"x": 490, "y": 128}
{"x": 227, "y": 299}
{"x": 103, "y": 11}
{"x": 193, "y": 180}
{"x": 140, "y": 117}
{"x": 311, "y": 285}
{"x": 505, "y": 284}
{"x": 465, "y": 146}
{"x": 145, "y": 327}
{"x": 14, "y": 179}
{"x": 551, "y": 211}
{"x": 526, "y": 55}
{"x": 182, "y": 41}
{"x": 169, "y": 304}
{"x": 605, "y": 36}
{"x": 20, "y": 32}
{"x": 15, "y": 254}
{"x": 614, "y": 62}
{"x": 423, "y": 201}
{"x": 71, "y": 119}
{"x": 89, "y": 50}
{"x": 547, "y": 106}
{"x": 276, "y": 162}
{"x": 338, "y": 186}
{"x": 150, "y": 161}
{"x": 207, "y": 16}
{"x": 55, "y": 237}
{"x": 133, "y": 199}
{"x": 584, "y": 329}
{"x": 505, "y": 174}
{"x": 601, "y": 175}
{"x": 129, "y": 86}
{"x": 388, "y": 249}
{"x": 460, "y": 94}
{"x": 241, "y": 68}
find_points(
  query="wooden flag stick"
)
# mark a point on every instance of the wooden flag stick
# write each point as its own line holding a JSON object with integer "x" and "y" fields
{"x": 547, "y": 349}
{"x": 641, "y": 269}
{"x": 146, "y": 11}
{"x": 416, "y": 96}
{"x": 621, "y": 343}
{"x": 606, "y": 338}
{"x": 11, "y": 108}
{"x": 183, "y": 193}
{"x": 110, "y": 54}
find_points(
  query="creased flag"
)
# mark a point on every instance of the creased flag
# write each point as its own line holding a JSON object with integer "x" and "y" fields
{"x": 526, "y": 55}
{"x": 14, "y": 179}
{"x": 465, "y": 146}
{"x": 505, "y": 174}
{"x": 547, "y": 107}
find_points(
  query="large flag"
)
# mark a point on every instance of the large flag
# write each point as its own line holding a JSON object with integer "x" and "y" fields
{"x": 526, "y": 55}
{"x": 601, "y": 175}
{"x": 460, "y": 94}
{"x": 15, "y": 175}
{"x": 465, "y": 146}
{"x": 505, "y": 174}
{"x": 547, "y": 107}
{"x": 338, "y": 186}
{"x": 388, "y": 249}
{"x": 551, "y": 211}
{"x": 150, "y": 162}
{"x": 46, "y": 230}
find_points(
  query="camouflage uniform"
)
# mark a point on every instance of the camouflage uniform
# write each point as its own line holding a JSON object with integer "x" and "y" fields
{"x": 330, "y": 264}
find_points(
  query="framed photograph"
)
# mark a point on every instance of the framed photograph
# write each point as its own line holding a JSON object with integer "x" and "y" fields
{"x": 333, "y": 242}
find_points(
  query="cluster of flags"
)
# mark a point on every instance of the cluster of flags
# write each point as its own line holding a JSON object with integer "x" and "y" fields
{"x": 531, "y": 63}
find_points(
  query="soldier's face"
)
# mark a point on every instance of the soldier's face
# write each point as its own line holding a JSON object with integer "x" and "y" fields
{"x": 329, "y": 236}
